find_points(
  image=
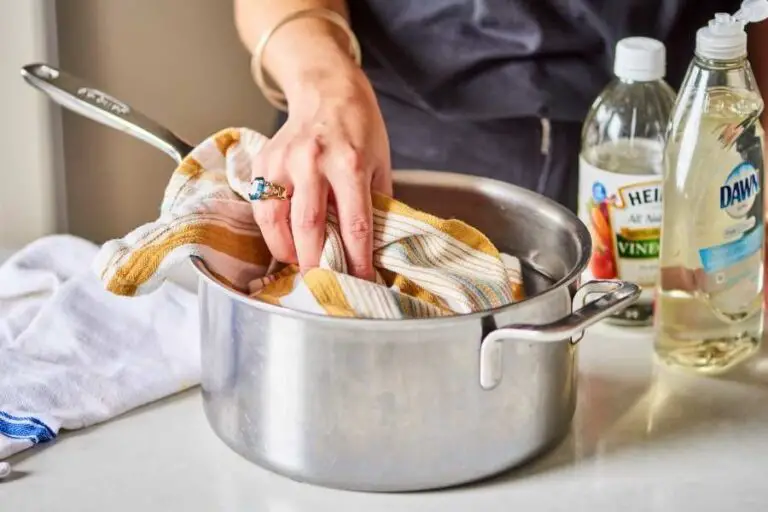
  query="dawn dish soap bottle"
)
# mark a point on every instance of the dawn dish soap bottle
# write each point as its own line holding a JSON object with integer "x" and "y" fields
{"x": 620, "y": 170}
{"x": 709, "y": 314}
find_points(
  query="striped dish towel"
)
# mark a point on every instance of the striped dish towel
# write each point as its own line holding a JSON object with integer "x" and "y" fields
{"x": 425, "y": 266}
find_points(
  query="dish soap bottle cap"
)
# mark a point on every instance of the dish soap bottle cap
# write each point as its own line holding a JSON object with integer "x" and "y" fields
{"x": 640, "y": 59}
{"x": 725, "y": 38}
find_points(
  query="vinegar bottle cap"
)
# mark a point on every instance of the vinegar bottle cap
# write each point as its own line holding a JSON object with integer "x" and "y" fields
{"x": 640, "y": 59}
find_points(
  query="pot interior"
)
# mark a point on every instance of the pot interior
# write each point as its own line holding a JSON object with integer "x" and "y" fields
{"x": 552, "y": 244}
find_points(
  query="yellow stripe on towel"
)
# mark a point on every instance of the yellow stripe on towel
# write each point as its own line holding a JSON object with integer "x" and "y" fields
{"x": 282, "y": 285}
{"x": 144, "y": 262}
{"x": 328, "y": 293}
{"x": 190, "y": 168}
{"x": 225, "y": 139}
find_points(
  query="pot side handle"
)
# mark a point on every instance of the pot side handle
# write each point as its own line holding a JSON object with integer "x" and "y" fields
{"x": 74, "y": 94}
{"x": 616, "y": 295}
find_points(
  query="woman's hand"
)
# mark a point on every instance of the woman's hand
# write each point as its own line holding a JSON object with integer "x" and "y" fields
{"x": 333, "y": 148}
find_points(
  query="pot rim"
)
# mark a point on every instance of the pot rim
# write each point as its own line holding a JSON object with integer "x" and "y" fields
{"x": 546, "y": 205}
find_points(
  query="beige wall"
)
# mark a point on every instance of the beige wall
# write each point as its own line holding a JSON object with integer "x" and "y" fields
{"x": 31, "y": 195}
{"x": 179, "y": 62}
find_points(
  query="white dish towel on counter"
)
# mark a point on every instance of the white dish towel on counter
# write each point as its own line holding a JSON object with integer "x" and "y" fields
{"x": 73, "y": 355}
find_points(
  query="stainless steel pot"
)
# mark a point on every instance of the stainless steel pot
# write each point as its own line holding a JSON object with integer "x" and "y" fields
{"x": 395, "y": 405}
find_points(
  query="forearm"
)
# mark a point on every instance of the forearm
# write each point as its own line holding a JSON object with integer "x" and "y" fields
{"x": 300, "y": 49}
{"x": 758, "y": 52}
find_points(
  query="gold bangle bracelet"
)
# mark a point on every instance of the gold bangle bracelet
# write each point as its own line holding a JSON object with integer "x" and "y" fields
{"x": 273, "y": 94}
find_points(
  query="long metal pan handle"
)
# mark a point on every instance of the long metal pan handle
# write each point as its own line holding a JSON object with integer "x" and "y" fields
{"x": 617, "y": 296}
{"x": 72, "y": 93}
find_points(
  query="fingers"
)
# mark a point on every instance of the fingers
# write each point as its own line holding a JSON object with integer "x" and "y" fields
{"x": 352, "y": 190}
{"x": 308, "y": 209}
{"x": 312, "y": 170}
{"x": 273, "y": 218}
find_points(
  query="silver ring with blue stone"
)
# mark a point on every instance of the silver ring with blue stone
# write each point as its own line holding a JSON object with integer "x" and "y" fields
{"x": 262, "y": 189}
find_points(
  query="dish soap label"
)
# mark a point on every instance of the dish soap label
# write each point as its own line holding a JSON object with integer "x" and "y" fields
{"x": 731, "y": 242}
{"x": 623, "y": 214}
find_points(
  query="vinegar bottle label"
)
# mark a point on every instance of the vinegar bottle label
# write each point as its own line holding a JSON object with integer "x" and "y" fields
{"x": 623, "y": 215}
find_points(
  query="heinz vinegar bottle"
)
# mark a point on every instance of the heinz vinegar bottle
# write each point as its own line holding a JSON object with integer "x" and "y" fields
{"x": 620, "y": 172}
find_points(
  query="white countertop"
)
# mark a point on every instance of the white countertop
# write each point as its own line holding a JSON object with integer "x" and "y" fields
{"x": 638, "y": 443}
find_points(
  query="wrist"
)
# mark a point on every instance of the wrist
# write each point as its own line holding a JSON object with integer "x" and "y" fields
{"x": 308, "y": 52}
{"x": 326, "y": 79}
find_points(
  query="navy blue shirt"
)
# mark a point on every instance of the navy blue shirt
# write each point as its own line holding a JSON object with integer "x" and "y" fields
{"x": 483, "y": 60}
